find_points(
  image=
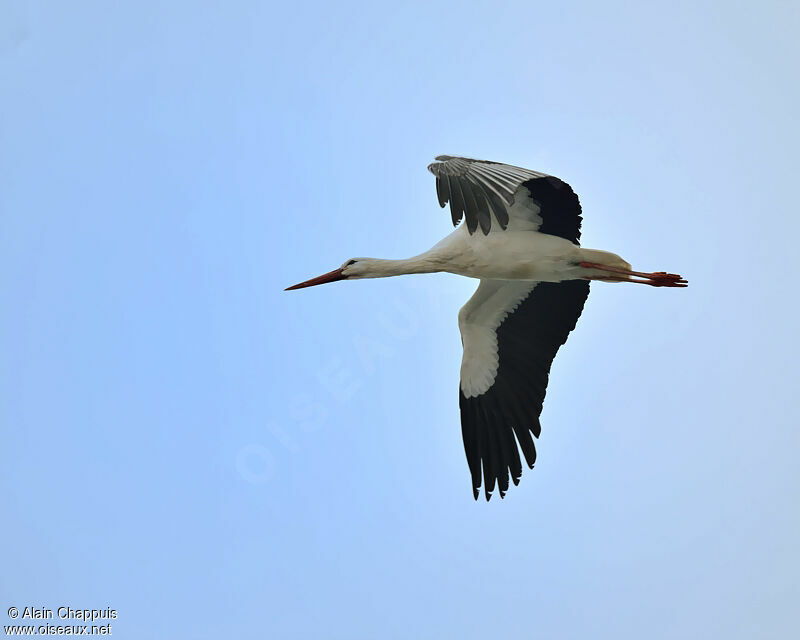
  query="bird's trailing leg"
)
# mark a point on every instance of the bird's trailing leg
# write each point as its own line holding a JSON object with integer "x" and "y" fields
{"x": 655, "y": 279}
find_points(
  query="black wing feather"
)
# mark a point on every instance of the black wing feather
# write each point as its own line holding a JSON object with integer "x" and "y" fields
{"x": 443, "y": 190}
{"x": 559, "y": 206}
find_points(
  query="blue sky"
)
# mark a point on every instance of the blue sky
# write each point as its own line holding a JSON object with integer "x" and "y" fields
{"x": 213, "y": 457}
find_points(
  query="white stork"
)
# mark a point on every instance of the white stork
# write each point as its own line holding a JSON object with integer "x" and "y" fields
{"x": 520, "y": 239}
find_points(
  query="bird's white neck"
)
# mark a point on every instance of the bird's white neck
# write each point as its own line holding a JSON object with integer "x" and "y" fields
{"x": 380, "y": 268}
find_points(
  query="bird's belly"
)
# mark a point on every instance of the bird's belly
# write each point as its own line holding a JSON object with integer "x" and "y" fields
{"x": 541, "y": 258}
{"x": 541, "y": 271}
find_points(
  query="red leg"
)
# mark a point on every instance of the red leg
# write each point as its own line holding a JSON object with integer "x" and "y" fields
{"x": 655, "y": 279}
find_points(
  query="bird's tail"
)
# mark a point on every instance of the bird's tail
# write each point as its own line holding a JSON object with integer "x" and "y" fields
{"x": 605, "y": 258}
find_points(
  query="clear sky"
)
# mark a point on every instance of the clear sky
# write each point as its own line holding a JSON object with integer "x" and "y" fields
{"x": 213, "y": 457}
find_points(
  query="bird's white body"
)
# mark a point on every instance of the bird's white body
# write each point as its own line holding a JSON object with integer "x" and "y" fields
{"x": 513, "y": 255}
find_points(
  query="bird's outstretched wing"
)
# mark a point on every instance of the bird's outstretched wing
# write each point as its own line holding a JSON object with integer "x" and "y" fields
{"x": 511, "y": 331}
{"x": 479, "y": 190}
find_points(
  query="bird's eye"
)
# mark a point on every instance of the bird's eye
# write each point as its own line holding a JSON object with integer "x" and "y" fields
{"x": 348, "y": 263}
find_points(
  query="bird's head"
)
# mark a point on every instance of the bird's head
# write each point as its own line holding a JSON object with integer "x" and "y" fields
{"x": 353, "y": 268}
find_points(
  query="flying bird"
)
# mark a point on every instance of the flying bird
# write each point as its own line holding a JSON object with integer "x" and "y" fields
{"x": 520, "y": 239}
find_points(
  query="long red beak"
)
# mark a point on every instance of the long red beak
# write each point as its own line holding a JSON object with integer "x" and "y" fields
{"x": 331, "y": 276}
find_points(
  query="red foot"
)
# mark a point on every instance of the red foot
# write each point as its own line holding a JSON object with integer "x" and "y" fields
{"x": 666, "y": 280}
